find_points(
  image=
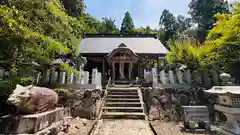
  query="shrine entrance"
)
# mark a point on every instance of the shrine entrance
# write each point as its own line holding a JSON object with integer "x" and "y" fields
{"x": 122, "y": 62}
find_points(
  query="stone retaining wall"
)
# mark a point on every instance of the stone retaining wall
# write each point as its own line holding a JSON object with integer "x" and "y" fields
{"x": 82, "y": 103}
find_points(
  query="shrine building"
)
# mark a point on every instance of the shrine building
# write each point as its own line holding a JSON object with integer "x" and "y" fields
{"x": 122, "y": 57}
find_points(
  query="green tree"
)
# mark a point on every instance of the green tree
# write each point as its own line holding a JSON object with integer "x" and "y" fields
{"x": 108, "y": 26}
{"x": 203, "y": 13}
{"x": 74, "y": 8}
{"x": 183, "y": 23}
{"x": 146, "y": 30}
{"x": 169, "y": 24}
{"x": 36, "y": 30}
{"x": 188, "y": 53}
{"x": 92, "y": 24}
{"x": 225, "y": 34}
{"x": 127, "y": 24}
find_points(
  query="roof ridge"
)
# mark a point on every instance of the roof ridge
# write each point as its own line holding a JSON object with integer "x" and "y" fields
{"x": 91, "y": 35}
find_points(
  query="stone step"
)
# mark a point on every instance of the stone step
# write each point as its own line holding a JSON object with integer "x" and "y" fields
{"x": 122, "y": 100}
{"x": 127, "y": 90}
{"x": 123, "y": 96}
{"x": 122, "y": 93}
{"x": 123, "y": 109}
{"x": 122, "y": 115}
{"x": 121, "y": 86}
{"x": 123, "y": 104}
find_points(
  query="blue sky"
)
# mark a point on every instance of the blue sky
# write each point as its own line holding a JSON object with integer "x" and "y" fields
{"x": 144, "y": 12}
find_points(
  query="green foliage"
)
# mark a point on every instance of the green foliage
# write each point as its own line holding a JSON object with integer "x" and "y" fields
{"x": 225, "y": 34}
{"x": 203, "y": 13}
{"x": 146, "y": 30}
{"x": 127, "y": 24}
{"x": 34, "y": 30}
{"x": 92, "y": 24}
{"x": 221, "y": 49}
{"x": 69, "y": 68}
{"x": 74, "y": 8}
{"x": 38, "y": 29}
{"x": 172, "y": 27}
{"x": 183, "y": 23}
{"x": 188, "y": 53}
{"x": 168, "y": 22}
{"x": 108, "y": 26}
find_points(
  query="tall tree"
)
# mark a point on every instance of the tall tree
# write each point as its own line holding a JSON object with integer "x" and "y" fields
{"x": 108, "y": 26}
{"x": 183, "y": 23}
{"x": 74, "y": 7}
{"x": 203, "y": 13}
{"x": 127, "y": 24}
{"x": 92, "y": 24}
{"x": 169, "y": 24}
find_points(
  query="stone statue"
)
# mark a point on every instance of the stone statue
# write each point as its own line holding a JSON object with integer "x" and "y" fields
{"x": 32, "y": 99}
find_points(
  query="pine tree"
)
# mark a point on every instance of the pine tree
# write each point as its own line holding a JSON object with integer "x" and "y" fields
{"x": 127, "y": 24}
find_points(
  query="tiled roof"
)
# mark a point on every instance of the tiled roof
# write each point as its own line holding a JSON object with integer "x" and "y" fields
{"x": 143, "y": 43}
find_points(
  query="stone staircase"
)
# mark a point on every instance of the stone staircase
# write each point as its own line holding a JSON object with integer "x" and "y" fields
{"x": 123, "y": 102}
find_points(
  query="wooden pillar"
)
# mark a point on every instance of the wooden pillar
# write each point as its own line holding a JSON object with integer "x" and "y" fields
{"x": 130, "y": 71}
{"x": 120, "y": 69}
{"x": 113, "y": 72}
{"x": 138, "y": 69}
{"x": 103, "y": 71}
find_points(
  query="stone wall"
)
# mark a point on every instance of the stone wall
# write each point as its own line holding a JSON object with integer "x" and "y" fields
{"x": 82, "y": 103}
{"x": 163, "y": 104}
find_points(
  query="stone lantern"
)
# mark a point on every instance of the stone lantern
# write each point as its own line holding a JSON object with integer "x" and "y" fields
{"x": 228, "y": 103}
{"x": 225, "y": 78}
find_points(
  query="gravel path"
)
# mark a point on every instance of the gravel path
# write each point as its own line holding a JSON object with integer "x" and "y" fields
{"x": 169, "y": 128}
{"x": 123, "y": 127}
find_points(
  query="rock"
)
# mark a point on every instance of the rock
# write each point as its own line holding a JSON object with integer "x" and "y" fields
{"x": 88, "y": 107}
{"x": 156, "y": 113}
{"x": 32, "y": 99}
{"x": 61, "y": 133}
{"x": 84, "y": 122}
{"x": 83, "y": 103}
{"x": 67, "y": 120}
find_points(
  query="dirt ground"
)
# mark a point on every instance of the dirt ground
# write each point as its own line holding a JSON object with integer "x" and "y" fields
{"x": 123, "y": 127}
{"x": 169, "y": 128}
{"x": 78, "y": 127}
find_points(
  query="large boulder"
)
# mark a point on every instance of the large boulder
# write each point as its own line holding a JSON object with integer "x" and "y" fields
{"x": 83, "y": 103}
{"x": 33, "y": 99}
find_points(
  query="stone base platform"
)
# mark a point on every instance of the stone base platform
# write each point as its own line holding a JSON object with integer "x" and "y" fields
{"x": 30, "y": 124}
{"x": 224, "y": 132}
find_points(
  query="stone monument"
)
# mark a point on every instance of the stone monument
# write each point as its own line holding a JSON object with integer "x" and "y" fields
{"x": 38, "y": 110}
{"x": 229, "y": 104}
{"x": 32, "y": 99}
{"x": 196, "y": 118}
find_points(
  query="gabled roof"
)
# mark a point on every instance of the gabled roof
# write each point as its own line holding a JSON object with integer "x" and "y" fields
{"x": 106, "y": 43}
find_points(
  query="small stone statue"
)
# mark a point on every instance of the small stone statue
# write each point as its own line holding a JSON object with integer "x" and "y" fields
{"x": 32, "y": 99}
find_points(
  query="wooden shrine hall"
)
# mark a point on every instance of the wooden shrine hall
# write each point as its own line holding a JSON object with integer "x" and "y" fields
{"x": 121, "y": 57}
